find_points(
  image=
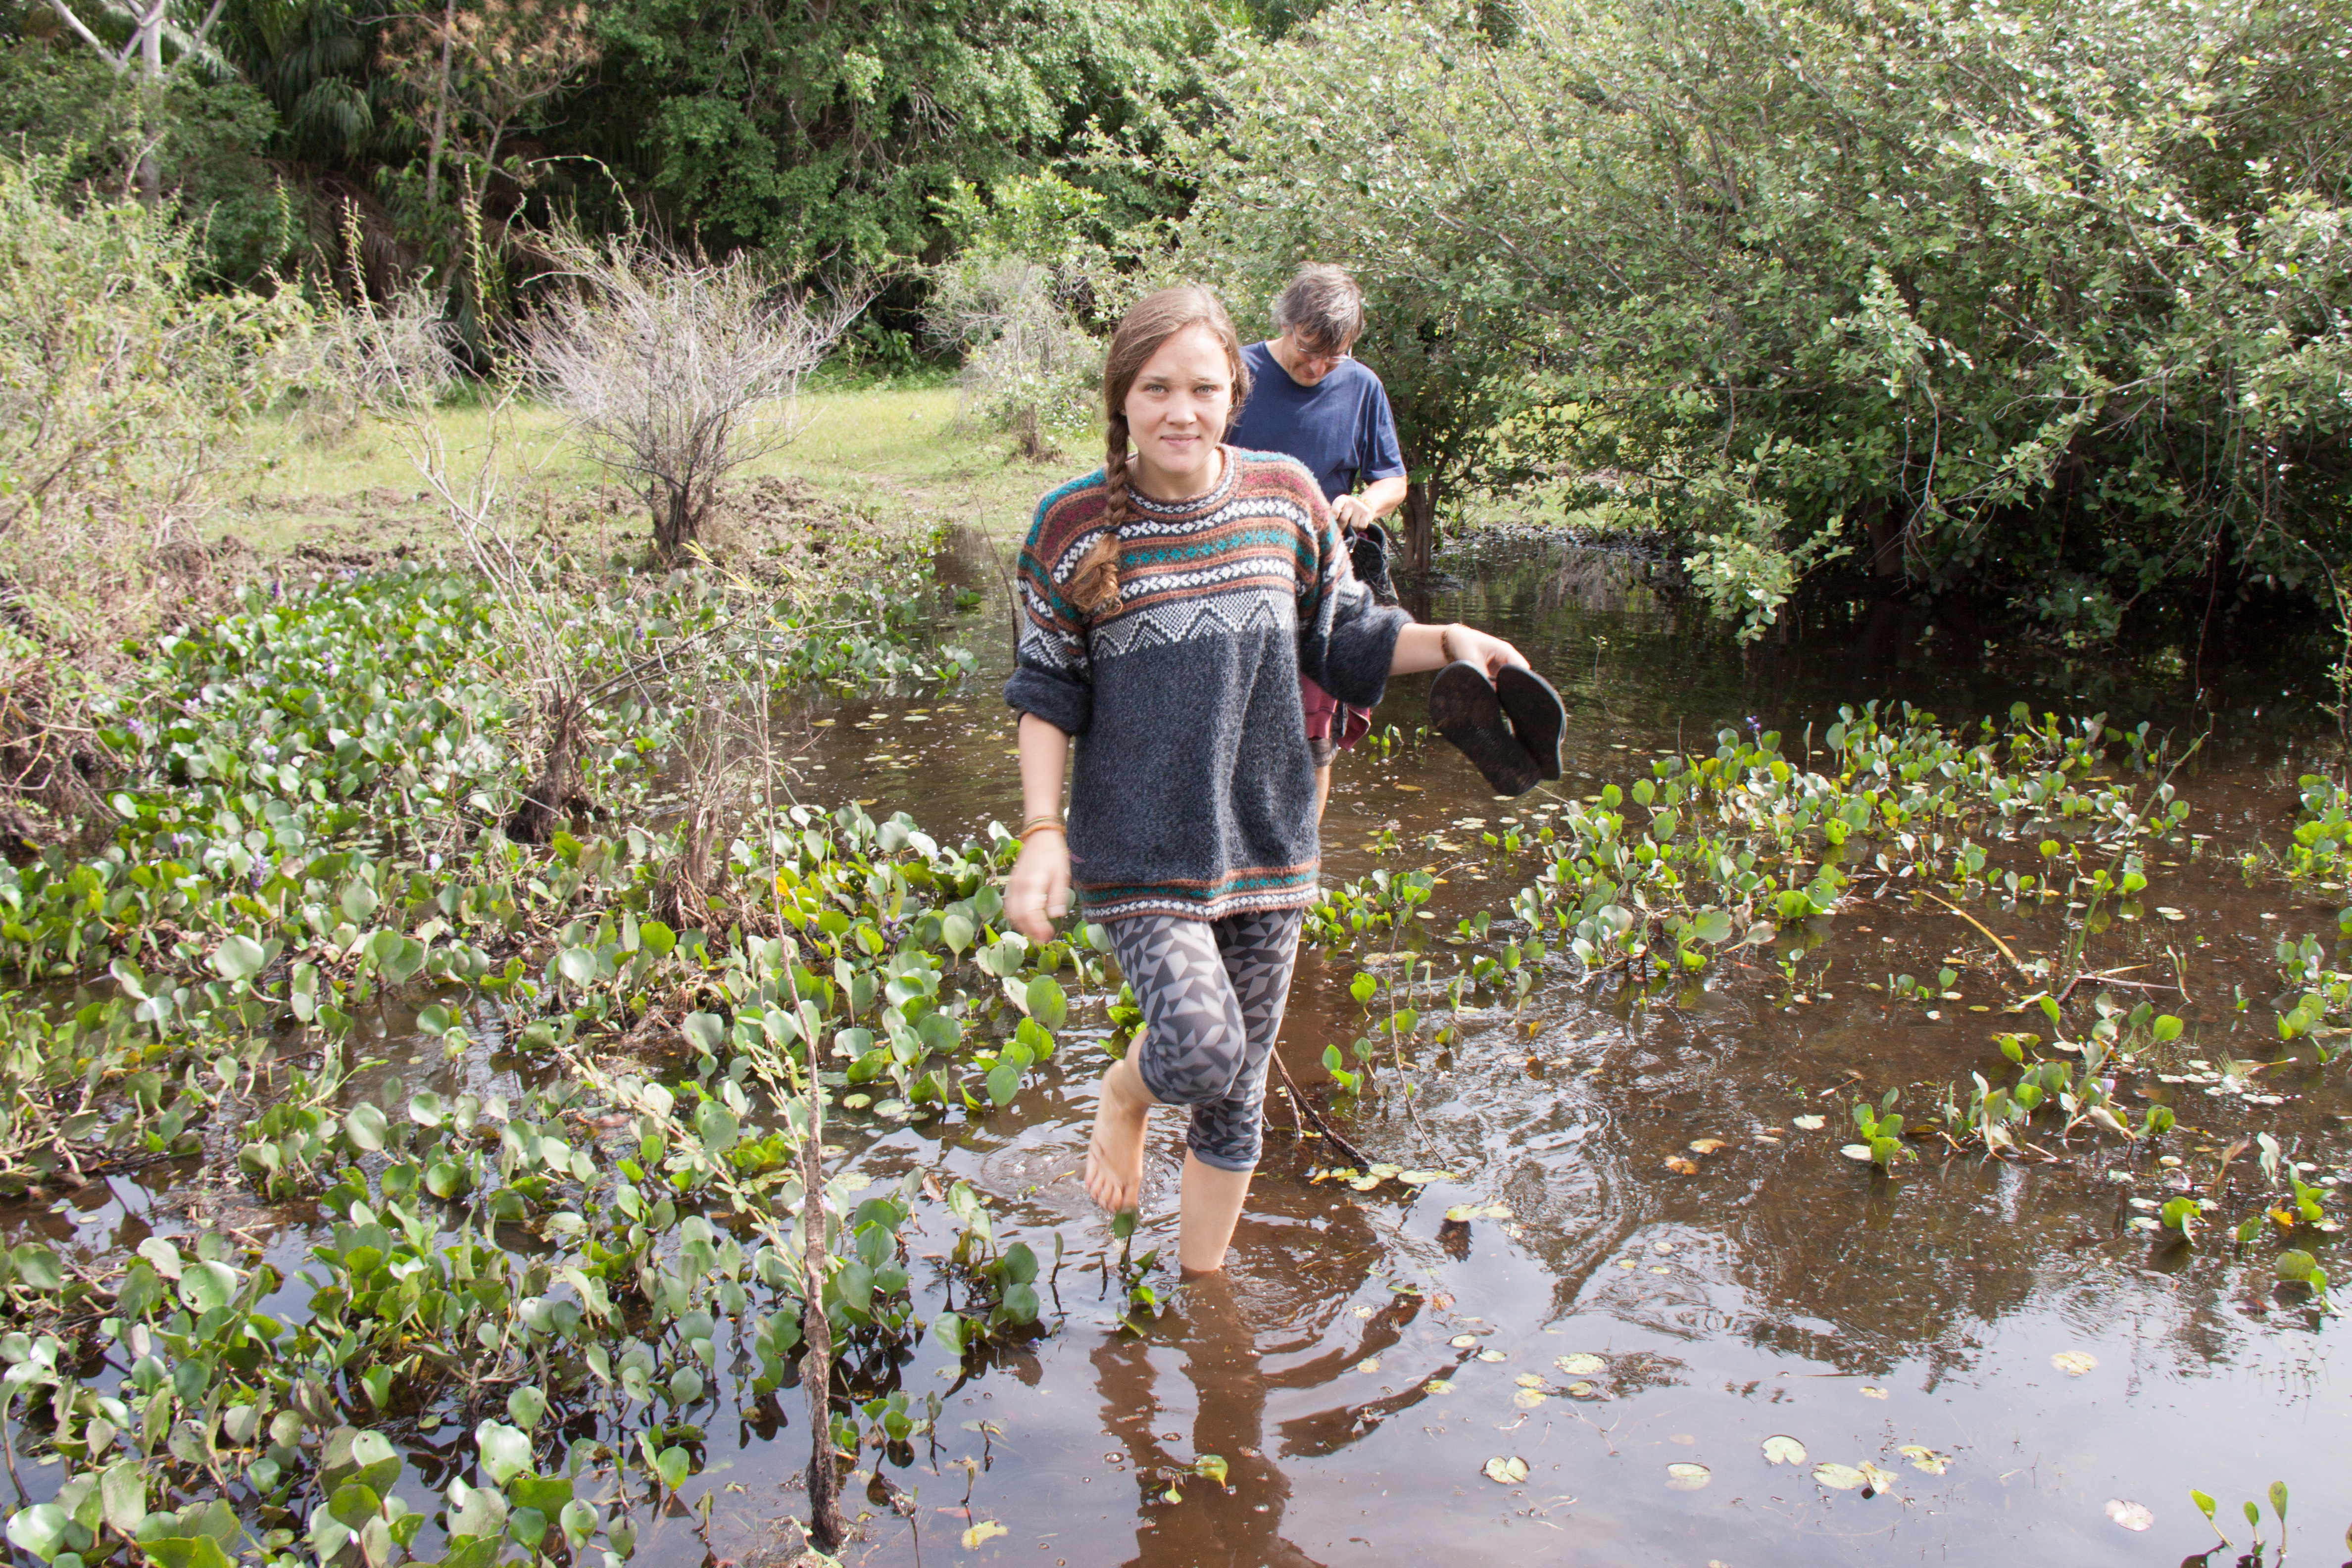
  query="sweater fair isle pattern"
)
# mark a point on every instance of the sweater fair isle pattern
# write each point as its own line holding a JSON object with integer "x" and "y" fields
{"x": 1192, "y": 794}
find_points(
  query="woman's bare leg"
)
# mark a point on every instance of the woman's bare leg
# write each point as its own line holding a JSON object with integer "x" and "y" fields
{"x": 1322, "y": 791}
{"x": 1114, "y": 1152}
{"x": 1211, "y": 1208}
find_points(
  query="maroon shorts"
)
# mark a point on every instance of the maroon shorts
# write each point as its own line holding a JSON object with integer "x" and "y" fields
{"x": 1332, "y": 725}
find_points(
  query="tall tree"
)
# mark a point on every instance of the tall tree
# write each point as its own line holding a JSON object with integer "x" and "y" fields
{"x": 836, "y": 127}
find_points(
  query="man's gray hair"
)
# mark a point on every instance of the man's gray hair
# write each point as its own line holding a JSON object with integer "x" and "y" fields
{"x": 1322, "y": 305}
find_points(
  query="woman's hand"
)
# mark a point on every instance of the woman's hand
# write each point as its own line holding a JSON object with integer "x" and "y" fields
{"x": 1039, "y": 888}
{"x": 1488, "y": 652}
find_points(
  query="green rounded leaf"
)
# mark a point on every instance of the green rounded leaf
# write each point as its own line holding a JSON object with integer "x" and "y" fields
{"x": 366, "y": 1126}
{"x": 1047, "y": 1004}
{"x": 525, "y": 1405}
{"x": 39, "y": 1530}
{"x": 239, "y": 958}
{"x": 37, "y": 1265}
{"x": 506, "y": 1452}
{"x": 207, "y": 1286}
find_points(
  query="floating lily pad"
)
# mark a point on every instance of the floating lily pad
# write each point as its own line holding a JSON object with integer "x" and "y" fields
{"x": 2074, "y": 1363}
{"x": 1879, "y": 1480}
{"x": 1581, "y": 1364}
{"x": 1464, "y": 1342}
{"x": 1843, "y": 1478}
{"x": 1528, "y": 1380}
{"x": 1506, "y": 1472}
{"x": 2130, "y": 1515}
{"x": 1856, "y": 1151}
{"x": 1783, "y": 1450}
{"x": 1923, "y": 1457}
{"x": 1706, "y": 1145}
{"x": 1492, "y": 1355}
{"x": 1439, "y": 1385}
{"x": 1682, "y": 1167}
{"x": 1370, "y": 1364}
{"x": 1528, "y": 1398}
{"x": 1459, "y": 1213}
{"x": 1868, "y": 1391}
{"x": 1582, "y": 1391}
{"x": 1423, "y": 1178}
{"x": 1809, "y": 1124}
{"x": 1688, "y": 1478}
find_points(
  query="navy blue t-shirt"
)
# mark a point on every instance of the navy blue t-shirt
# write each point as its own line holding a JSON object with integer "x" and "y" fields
{"x": 1341, "y": 427}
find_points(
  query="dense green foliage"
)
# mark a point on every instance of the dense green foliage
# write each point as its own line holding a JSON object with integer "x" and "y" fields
{"x": 2047, "y": 300}
{"x": 122, "y": 383}
{"x": 825, "y": 135}
{"x": 305, "y": 830}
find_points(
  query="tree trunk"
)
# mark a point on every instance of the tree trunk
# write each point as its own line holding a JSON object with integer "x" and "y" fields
{"x": 440, "y": 107}
{"x": 151, "y": 66}
{"x": 677, "y": 522}
{"x": 557, "y": 787}
{"x": 1885, "y": 539}
{"x": 1420, "y": 523}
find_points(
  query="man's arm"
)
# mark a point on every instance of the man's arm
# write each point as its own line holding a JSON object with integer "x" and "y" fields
{"x": 1375, "y": 501}
{"x": 1382, "y": 458}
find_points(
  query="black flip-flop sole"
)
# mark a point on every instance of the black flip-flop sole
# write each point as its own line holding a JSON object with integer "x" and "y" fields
{"x": 1464, "y": 709}
{"x": 1537, "y": 716}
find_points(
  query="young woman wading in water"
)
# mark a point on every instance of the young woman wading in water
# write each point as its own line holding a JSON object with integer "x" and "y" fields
{"x": 1169, "y": 604}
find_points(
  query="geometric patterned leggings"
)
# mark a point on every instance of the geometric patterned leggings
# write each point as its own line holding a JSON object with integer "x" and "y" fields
{"x": 1212, "y": 994}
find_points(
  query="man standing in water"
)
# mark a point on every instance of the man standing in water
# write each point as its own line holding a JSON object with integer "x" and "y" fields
{"x": 1311, "y": 400}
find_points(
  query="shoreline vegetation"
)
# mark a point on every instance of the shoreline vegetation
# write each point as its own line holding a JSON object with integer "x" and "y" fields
{"x": 897, "y": 460}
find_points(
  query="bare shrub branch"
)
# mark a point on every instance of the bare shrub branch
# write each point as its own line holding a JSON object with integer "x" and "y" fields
{"x": 673, "y": 369}
{"x": 1028, "y": 366}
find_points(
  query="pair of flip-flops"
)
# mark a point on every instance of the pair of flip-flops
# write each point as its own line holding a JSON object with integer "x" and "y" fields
{"x": 1470, "y": 711}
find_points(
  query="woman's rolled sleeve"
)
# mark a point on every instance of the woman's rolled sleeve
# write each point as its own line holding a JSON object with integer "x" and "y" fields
{"x": 1360, "y": 647}
{"x": 1055, "y": 696}
{"x": 1053, "y": 676}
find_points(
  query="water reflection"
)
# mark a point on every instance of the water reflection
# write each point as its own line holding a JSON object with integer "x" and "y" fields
{"x": 1262, "y": 1357}
{"x": 1240, "y": 1523}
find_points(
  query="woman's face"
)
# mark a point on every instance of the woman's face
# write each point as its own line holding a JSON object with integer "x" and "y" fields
{"x": 1177, "y": 410}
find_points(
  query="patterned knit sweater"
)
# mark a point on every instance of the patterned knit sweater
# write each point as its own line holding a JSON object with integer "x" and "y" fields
{"x": 1192, "y": 794}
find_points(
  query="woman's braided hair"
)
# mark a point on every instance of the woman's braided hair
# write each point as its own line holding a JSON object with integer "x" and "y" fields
{"x": 1155, "y": 319}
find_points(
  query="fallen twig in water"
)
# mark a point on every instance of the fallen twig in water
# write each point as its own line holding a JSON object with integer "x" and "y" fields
{"x": 1972, "y": 920}
{"x": 1300, "y": 1106}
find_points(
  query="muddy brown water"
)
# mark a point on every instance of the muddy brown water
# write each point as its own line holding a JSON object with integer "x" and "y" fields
{"x": 1366, "y": 1357}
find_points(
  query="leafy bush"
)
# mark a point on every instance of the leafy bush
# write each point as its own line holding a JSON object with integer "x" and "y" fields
{"x": 123, "y": 386}
{"x": 2051, "y": 302}
{"x": 60, "y": 103}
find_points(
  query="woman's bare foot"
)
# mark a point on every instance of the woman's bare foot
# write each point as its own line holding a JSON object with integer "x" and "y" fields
{"x": 1114, "y": 1152}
